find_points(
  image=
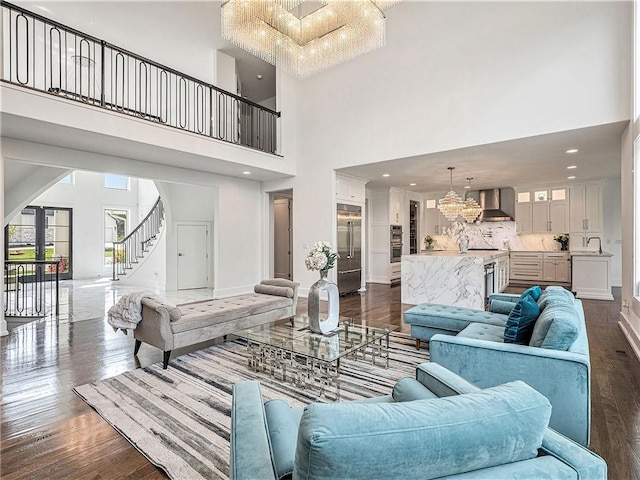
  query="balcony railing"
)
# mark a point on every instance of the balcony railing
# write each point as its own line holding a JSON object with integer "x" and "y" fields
{"x": 47, "y": 56}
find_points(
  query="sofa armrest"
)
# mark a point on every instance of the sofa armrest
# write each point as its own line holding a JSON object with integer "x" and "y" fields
{"x": 587, "y": 464}
{"x": 250, "y": 449}
{"x": 563, "y": 377}
{"x": 155, "y": 326}
{"x": 441, "y": 381}
{"x": 504, "y": 297}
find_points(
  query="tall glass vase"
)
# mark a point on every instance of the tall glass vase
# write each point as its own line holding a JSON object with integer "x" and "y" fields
{"x": 317, "y": 322}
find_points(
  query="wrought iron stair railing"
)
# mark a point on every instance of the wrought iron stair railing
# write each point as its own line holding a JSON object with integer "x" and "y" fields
{"x": 31, "y": 288}
{"x": 129, "y": 251}
{"x": 45, "y": 55}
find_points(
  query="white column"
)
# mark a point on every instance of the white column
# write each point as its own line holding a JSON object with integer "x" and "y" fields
{"x": 3, "y": 322}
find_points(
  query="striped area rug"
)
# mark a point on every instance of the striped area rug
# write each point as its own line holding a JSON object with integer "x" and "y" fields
{"x": 179, "y": 418}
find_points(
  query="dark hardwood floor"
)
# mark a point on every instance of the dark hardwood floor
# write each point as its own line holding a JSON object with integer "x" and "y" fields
{"x": 47, "y": 432}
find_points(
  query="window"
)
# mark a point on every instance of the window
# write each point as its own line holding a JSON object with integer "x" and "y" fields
{"x": 117, "y": 182}
{"x": 115, "y": 230}
{"x": 68, "y": 180}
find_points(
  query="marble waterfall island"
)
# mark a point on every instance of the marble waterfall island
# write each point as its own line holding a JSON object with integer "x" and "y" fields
{"x": 447, "y": 277}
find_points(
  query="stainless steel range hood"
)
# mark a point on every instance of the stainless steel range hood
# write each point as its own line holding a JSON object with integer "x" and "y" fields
{"x": 493, "y": 208}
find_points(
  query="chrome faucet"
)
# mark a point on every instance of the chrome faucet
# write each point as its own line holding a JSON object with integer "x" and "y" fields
{"x": 599, "y": 243}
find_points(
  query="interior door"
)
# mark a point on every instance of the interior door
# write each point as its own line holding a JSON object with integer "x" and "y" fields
{"x": 282, "y": 262}
{"x": 193, "y": 261}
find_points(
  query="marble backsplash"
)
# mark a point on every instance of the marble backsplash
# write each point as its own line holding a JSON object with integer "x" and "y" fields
{"x": 500, "y": 235}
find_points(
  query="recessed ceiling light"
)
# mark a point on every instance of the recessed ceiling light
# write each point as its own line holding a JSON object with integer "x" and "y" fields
{"x": 246, "y": 172}
{"x": 259, "y": 77}
{"x": 571, "y": 167}
{"x": 467, "y": 186}
{"x": 386, "y": 175}
{"x": 571, "y": 177}
{"x": 572, "y": 150}
{"x": 412, "y": 184}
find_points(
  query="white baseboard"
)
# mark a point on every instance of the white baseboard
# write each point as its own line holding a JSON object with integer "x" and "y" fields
{"x": 379, "y": 279}
{"x": 631, "y": 335}
{"x": 303, "y": 292}
{"x": 232, "y": 292}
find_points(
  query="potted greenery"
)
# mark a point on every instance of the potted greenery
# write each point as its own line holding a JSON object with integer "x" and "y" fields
{"x": 429, "y": 241}
{"x": 563, "y": 240}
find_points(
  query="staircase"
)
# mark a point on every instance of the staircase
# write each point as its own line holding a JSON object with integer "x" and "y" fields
{"x": 128, "y": 252}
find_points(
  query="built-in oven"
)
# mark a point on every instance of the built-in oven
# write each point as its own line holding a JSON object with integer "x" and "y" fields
{"x": 396, "y": 243}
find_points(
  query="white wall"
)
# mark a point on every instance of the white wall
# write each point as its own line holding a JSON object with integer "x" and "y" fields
{"x": 452, "y": 75}
{"x": 612, "y": 223}
{"x": 88, "y": 198}
{"x": 630, "y": 314}
{"x": 232, "y": 208}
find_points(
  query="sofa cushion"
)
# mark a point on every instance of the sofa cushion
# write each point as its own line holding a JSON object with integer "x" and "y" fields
{"x": 521, "y": 321}
{"x": 408, "y": 389}
{"x": 534, "y": 291}
{"x": 558, "y": 293}
{"x": 557, "y": 326}
{"x": 202, "y": 314}
{"x": 273, "y": 290}
{"x": 436, "y": 437}
{"x": 501, "y": 306}
{"x": 480, "y": 331}
{"x": 450, "y": 318}
{"x": 282, "y": 427}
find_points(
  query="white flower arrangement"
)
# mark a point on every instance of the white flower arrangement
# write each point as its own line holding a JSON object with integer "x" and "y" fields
{"x": 321, "y": 257}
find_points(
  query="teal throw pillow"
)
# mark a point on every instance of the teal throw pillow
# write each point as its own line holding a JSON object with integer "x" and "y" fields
{"x": 521, "y": 321}
{"x": 534, "y": 291}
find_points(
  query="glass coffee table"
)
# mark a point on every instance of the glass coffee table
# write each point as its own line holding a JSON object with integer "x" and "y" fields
{"x": 290, "y": 352}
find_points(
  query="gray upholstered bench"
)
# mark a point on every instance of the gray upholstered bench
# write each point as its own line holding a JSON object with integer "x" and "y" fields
{"x": 168, "y": 327}
{"x": 428, "y": 319}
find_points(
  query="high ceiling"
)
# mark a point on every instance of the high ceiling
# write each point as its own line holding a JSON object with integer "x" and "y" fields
{"x": 540, "y": 160}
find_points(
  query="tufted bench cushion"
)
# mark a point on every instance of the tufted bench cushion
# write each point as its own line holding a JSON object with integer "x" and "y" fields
{"x": 202, "y": 314}
{"x": 429, "y": 318}
{"x": 482, "y": 331}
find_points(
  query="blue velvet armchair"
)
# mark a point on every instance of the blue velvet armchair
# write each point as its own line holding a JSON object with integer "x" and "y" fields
{"x": 434, "y": 426}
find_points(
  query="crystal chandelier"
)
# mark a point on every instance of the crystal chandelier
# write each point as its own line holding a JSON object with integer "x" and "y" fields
{"x": 470, "y": 208}
{"x": 451, "y": 204}
{"x": 303, "y": 45}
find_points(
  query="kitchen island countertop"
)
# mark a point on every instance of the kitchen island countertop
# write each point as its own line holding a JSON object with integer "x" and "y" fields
{"x": 485, "y": 254}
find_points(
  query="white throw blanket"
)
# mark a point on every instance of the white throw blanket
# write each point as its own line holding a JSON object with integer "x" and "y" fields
{"x": 127, "y": 312}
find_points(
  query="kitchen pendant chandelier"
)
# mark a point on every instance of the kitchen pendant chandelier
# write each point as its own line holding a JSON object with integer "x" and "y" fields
{"x": 470, "y": 208}
{"x": 451, "y": 204}
{"x": 301, "y": 42}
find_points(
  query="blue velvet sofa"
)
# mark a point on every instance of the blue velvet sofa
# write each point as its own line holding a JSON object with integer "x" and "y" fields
{"x": 434, "y": 426}
{"x": 556, "y": 361}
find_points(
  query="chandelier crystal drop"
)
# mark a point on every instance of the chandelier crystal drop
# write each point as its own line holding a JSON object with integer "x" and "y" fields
{"x": 304, "y": 44}
{"x": 470, "y": 209}
{"x": 451, "y": 204}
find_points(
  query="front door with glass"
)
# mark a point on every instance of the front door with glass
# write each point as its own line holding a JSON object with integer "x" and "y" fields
{"x": 41, "y": 233}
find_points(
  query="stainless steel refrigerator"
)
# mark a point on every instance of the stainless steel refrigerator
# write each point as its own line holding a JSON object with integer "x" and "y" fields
{"x": 349, "y": 248}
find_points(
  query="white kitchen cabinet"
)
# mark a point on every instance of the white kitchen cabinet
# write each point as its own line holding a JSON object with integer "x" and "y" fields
{"x": 396, "y": 204}
{"x": 542, "y": 211}
{"x": 586, "y": 208}
{"x": 434, "y": 221}
{"x": 502, "y": 273}
{"x": 556, "y": 267}
{"x": 591, "y": 276}
{"x": 523, "y": 217}
{"x": 350, "y": 189}
{"x": 526, "y": 266}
